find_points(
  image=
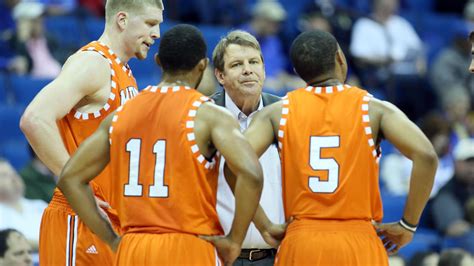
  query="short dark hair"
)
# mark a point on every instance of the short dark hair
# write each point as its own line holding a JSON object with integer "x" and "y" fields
{"x": 4, "y": 234}
{"x": 312, "y": 54}
{"x": 181, "y": 48}
{"x": 471, "y": 36}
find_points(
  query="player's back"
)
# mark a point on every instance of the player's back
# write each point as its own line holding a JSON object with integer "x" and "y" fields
{"x": 162, "y": 182}
{"x": 329, "y": 160}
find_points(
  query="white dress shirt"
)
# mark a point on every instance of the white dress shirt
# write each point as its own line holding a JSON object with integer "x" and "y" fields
{"x": 271, "y": 199}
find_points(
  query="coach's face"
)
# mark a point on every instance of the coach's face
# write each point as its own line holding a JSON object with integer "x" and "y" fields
{"x": 244, "y": 72}
{"x": 18, "y": 252}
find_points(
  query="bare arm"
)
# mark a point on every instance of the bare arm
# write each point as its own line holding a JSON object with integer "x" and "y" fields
{"x": 88, "y": 162}
{"x": 82, "y": 75}
{"x": 408, "y": 138}
{"x": 413, "y": 144}
{"x": 218, "y": 126}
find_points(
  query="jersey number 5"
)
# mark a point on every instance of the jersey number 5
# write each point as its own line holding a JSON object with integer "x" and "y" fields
{"x": 323, "y": 164}
{"x": 133, "y": 188}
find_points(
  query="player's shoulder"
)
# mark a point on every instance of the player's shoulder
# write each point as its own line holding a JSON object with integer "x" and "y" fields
{"x": 212, "y": 111}
{"x": 89, "y": 61}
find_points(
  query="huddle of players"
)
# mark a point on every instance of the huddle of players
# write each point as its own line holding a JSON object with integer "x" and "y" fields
{"x": 155, "y": 159}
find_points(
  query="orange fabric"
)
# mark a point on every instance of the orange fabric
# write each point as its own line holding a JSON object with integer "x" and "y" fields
{"x": 75, "y": 127}
{"x": 153, "y": 249}
{"x": 162, "y": 117}
{"x": 329, "y": 178}
{"x": 312, "y": 242}
{"x": 74, "y": 243}
{"x": 317, "y": 115}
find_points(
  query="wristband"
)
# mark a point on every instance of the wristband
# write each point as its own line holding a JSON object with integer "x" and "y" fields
{"x": 407, "y": 226}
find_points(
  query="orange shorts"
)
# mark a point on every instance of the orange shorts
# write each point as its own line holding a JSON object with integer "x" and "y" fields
{"x": 165, "y": 249}
{"x": 66, "y": 240}
{"x": 316, "y": 242}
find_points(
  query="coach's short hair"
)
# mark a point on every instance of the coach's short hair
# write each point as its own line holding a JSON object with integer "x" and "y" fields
{"x": 312, "y": 54}
{"x": 181, "y": 48}
{"x": 114, "y": 6}
{"x": 4, "y": 234}
{"x": 238, "y": 37}
{"x": 471, "y": 36}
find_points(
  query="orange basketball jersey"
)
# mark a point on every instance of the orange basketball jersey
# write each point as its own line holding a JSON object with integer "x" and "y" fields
{"x": 75, "y": 127}
{"x": 162, "y": 183}
{"x": 329, "y": 159}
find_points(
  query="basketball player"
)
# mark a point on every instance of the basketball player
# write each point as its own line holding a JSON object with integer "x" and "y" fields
{"x": 94, "y": 81}
{"x": 163, "y": 150}
{"x": 328, "y": 135}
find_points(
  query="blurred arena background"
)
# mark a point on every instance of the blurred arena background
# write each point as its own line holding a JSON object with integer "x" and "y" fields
{"x": 421, "y": 65}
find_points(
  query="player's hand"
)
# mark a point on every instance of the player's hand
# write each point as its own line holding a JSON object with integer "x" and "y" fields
{"x": 227, "y": 249}
{"x": 273, "y": 234}
{"x": 394, "y": 236}
{"x": 102, "y": 206}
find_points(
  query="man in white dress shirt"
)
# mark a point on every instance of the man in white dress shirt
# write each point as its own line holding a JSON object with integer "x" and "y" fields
{"x": 239, "y": 68}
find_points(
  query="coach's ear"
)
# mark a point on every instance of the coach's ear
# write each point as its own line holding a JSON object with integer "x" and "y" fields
{"x": 157, "y": 60}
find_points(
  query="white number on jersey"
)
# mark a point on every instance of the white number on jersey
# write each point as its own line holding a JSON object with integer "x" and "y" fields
{"x": 158, "y": 189}
{"x": 324, "y": 164}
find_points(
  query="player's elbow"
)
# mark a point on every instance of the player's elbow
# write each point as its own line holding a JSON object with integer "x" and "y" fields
{"x": 428, "y": 157}
{"x": 29, "y": 122}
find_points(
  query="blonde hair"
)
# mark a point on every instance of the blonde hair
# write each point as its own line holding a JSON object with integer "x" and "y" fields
{"x": 114, "y": 6}
{"x": 238, "y": 37}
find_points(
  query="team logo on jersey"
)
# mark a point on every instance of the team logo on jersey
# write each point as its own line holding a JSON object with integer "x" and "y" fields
{"x": 127, "y": 94}
{"x": 92, "y": 250}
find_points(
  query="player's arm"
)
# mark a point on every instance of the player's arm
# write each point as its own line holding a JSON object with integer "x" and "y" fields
{"x": 261, "y": 134}
{"x": 88, "y": 161}
{"x": 83, "y": 74}
{"x": 388, "y": 120}
{"x": 224, "y": 133}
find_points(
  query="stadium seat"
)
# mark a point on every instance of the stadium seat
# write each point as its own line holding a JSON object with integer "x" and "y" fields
{"x": 93, "y": 28}
{"x": 67, "y": 30}
{"x": 392, "y": 207}
{"x": 212, "y": 34}
{"x": 25, "y": 88}
{"x": 16, "y": 152}
{"x": 3, "y": 89}
{"x": 10, "y": 119}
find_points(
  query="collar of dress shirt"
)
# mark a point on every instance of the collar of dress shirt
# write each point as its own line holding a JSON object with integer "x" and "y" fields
{"x": 232, "y": 107}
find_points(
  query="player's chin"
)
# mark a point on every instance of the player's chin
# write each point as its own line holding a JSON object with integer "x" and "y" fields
{"x": 141, "y": 55}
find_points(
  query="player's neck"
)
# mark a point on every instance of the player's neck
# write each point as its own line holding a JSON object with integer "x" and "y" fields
{"x": 177, "y": 80}
{"x": 115, "y": 46}
{"x": 324, "y": 82}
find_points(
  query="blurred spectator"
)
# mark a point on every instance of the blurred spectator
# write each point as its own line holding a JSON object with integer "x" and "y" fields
{"x": 455, "y": 257}
{"x": 265, "y": 25}
{"x": 23, "y": 214}
{"x": 457, "y": 107}
{"x": 9, "y": 60}
{"x": 389, "y": 58}
{"x": 449, "y": 206}
{"x": 425, "y": 258}
{"x": 32, "y": 42}
{"x": 396, "y": 260}
{"x": 14, "y": 249}
{"x": 396, "y": 169}
{"x": 449, "y": 68}
{"x": 451, "y": 6}
{"x": 38, "y": 179}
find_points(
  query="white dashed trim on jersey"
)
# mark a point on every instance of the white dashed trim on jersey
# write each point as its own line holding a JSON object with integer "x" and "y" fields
{"x": 191, "y": 137}
{"x": 366, "y": 125}
{"x": 113, "y": 83}
{"x": 328, "y": 89}
{"x": 285, "y": 110}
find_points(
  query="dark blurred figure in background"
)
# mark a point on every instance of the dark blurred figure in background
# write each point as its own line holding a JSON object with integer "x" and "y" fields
{"x": 449, "y": 207}
{"x": 424, "y": 258}
{"x": 455, "y": 257}
{"x": 449, "y": 68}
{"x": 38, "y": 179}
{"x": 14, "y": 249}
